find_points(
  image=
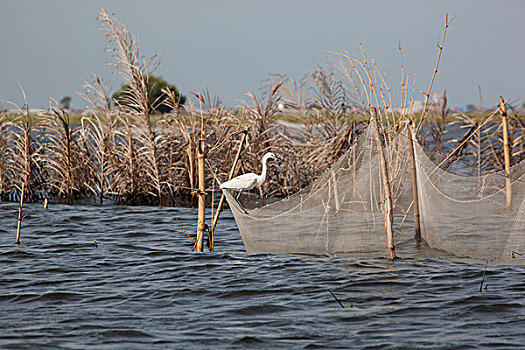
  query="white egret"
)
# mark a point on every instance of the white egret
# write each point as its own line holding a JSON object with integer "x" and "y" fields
{"x": 249, "y": 180}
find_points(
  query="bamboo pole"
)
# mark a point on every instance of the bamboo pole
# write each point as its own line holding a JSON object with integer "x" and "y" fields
{"x": 221, "y": 201}
{"x": 20, "y": 217}
{"x": 336, "y": 192}
{"x": 506, "y": 150}
{"x": 202, "y": 196}
{"x": 354, "y": 166}
{"x": 388, "y": 207}
{"x": 415, "y": 195}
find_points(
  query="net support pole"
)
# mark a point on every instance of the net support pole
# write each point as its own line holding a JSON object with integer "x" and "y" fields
{"x": 354, "y": 167}
{"x": 20, "y": 216}
{"x": 506, "y": 150}
{"x": 202, "y": 196}
{"x": 415, "y": 194}
{"x": 388, "y": 207}
{"x": 221, "y": 202}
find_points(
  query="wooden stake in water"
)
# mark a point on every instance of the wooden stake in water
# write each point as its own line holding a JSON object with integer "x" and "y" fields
{"x": 415, "y": 196}
{"x": 202, "y": 196}
{"x": 354, "y": 166}
{"x": 506, "y": 150}
{"x": 20, "y": 217}
{"x": 388, "y": 207}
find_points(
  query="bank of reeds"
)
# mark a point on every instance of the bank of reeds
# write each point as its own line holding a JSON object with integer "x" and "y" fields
{"x": 125, "y": 154}
{"x": 113, "y": 157}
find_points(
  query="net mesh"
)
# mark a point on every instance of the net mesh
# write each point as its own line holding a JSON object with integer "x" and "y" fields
{"x": 468, "y": 215}
{"x": 343, "y": 211}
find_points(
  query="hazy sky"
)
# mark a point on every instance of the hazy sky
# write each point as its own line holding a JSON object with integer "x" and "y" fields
{"x": 52, "y": 46}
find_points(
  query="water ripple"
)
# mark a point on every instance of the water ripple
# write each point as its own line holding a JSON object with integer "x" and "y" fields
{"x": 141, "y": 287}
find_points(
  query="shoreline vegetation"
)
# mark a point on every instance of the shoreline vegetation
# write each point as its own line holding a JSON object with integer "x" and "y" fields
{"x": 76, "y": 116}
{"x": 90, "y": 159}
{"x": 123, "y": 153}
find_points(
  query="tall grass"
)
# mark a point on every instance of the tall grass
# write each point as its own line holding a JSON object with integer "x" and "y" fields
{"x": 124, "y": 153}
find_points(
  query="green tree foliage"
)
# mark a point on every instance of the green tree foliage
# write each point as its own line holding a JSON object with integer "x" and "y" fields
{"x": 65, "y": 102}
{"x": 156, "y": 97}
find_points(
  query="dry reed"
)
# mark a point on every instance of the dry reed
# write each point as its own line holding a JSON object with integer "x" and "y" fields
{"x": 124, "y": 153}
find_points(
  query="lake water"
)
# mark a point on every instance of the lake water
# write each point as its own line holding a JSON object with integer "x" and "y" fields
{"x": 143, "y": 288}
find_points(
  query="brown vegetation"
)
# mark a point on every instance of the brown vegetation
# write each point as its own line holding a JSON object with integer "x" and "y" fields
{"x": 125, "y": 154}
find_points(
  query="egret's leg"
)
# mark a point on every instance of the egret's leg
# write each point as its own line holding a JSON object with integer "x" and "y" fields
{"x": 238, "y": 195}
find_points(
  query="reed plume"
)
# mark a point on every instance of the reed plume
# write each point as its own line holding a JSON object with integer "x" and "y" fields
{"x": 65, "y": 162}
{"x": 135, "y": 69}
{"x": 23, "y": 172}
{"x": 98, "y": 135}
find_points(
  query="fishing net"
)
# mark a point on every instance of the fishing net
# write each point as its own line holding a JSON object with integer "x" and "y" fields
{"x": 468, "y": 215}
{"x": 344, "y": 211}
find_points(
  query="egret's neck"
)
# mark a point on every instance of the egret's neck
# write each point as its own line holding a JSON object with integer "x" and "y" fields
{"x": 262, "y": 177}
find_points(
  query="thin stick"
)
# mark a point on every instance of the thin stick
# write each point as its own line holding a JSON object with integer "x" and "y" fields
{"x": 405, "y": 216}
{"x": 403, "y": 85}
{"x": 506, "y": 151}
{"x": 427, "y": 95}
{"x": 483, "y": 279}
{"x": 182, "y": 227}
{"x": 341, "y": 304}
{"x": 336, "y": 194}
{"x": 20, "y": 217}
{"x": 210, "y": 232}
{"x": 354, "y": 166}
{"x": 415, "y": 197}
